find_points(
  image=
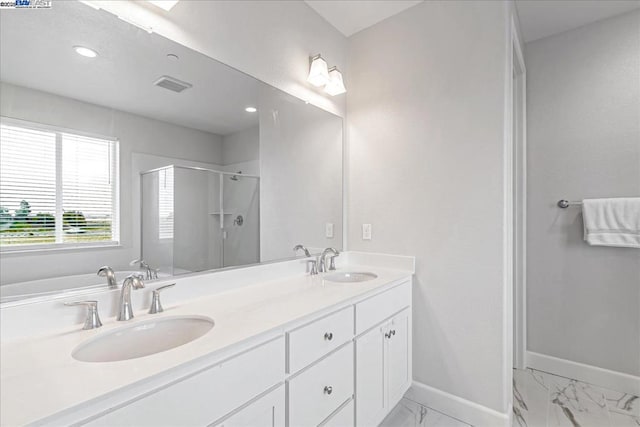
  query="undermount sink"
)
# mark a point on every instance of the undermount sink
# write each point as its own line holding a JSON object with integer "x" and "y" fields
{"x": 143, "y": 339}
{"x": 350, "y": 277}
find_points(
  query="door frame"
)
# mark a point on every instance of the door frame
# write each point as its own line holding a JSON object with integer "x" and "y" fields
{"x": 519, "y": 194}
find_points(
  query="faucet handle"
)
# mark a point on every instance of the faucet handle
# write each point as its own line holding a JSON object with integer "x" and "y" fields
{"x": 156, "y": 307}
{"x": 314, "y": 267}
{"x": 93, "y": 320}
{"x": 332, "y": 265}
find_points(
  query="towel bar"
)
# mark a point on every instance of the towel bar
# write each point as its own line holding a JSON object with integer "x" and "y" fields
{"x": 566, "y": 203}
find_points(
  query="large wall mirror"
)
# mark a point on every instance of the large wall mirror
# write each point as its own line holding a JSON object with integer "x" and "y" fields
{"x": 120, "y": 147}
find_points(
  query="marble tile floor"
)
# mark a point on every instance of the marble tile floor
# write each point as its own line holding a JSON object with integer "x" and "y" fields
{"x": 544, "y": 400}
{"x": 411, "y": 414}
{"x": 539, "y": 400}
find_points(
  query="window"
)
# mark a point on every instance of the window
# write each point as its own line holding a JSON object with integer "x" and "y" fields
{"x": 57, "y": 187}
{"x": 165, "y": 203}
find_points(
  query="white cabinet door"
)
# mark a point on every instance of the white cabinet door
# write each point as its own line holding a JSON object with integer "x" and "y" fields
{"x": 370, "y": 378}
{"x": 398, "y": 357}
{"x": 342, "y": 418}
{"x": 267, "y": 411}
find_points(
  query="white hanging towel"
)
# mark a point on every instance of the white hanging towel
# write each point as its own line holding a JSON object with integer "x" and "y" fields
{"x": 612, "y": 222}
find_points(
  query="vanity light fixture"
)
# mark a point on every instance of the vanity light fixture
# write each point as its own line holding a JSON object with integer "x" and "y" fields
{"x": 85, "y": 51}
{"x": 164, "y": 4}
{"x": 251, "y": 109}
{"x": 318, "y": 71}
{"x": 335, "y": 85}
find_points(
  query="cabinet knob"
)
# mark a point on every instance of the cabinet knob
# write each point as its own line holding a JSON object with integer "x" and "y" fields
{"x": 328, "y": 336}
{"x": 393, "y": 332}
{"x": 387, "y": 335}
{"x": 328, "y": 389}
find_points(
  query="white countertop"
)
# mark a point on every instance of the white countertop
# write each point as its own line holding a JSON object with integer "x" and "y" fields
{"x": 39, "y": 378}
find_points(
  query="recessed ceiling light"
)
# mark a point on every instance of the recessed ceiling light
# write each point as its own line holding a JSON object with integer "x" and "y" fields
{"x": 85, "y": 51}
{"x": 172, "y": 56}
{"x": 164, "y": 4}
{"x": 251, "y": 109}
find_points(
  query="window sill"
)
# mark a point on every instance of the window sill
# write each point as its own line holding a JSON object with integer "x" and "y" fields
{"x": 59, "y": 249}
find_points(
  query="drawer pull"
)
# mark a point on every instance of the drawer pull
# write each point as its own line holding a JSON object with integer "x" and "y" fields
{"x": 328, "y": 389}
{"x": 328, "y": 336}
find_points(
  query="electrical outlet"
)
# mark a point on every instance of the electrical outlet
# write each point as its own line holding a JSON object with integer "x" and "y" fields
{"x": 366, "y": 231}
{"x": 328, "y": 230}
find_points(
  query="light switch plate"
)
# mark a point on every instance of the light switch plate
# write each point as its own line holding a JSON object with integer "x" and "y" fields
{"x": 329, "y": 230}
{"x": 366, "y": 231}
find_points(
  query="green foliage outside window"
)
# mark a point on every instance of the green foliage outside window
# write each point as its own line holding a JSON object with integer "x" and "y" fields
{"x": 23, "y": 227}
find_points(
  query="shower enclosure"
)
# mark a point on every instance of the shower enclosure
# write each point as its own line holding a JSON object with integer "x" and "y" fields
{"x": 196, "y": 219}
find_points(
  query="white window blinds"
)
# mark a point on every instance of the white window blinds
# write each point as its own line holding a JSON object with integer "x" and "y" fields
{"x": 56, "y": 188}
{"x": 165, "y": 203}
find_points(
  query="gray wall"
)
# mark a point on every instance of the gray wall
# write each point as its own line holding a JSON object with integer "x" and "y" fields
{"x": 583, "y": 101}
{"x": 136, "y": 134}
{"x": 426, "y": 134}
{"x": 241, "y": 152}
{"x": 241, "y": 146}
{"x": 300, "y": 175}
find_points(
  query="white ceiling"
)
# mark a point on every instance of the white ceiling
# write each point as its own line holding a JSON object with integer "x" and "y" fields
{"x": 351, "y": 16}
{"x": 542, "y": 18}
{"x": 36, "y": 51}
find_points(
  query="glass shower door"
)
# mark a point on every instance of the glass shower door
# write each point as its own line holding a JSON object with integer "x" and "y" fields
{"x": 241, "y": 224}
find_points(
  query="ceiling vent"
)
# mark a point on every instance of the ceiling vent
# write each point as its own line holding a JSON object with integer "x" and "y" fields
{"x": 172, "y": 84}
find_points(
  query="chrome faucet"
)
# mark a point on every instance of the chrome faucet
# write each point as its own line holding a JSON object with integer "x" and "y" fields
{"x": 322, "y": 260}
{"x": 314, "y": 263}
{"x": 124, "y": 309}
{"x": 297, "y": 248}
{"x": 107, "y": 272}
{"x": 150, "y": 273}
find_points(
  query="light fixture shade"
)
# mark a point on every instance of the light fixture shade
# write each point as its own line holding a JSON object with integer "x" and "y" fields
{"x": 335, "y": 86}
{"x": 318, "y": 71}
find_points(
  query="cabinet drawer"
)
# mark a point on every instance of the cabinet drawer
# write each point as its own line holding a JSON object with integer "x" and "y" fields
{"x": 374, "y": 310}
{"x": 267, "y": 411}
{"x": 318, "y": 391}
{"x": 342, "y": 418}
{"x": 204, "y": 397}
{"x": 312, "y": 341}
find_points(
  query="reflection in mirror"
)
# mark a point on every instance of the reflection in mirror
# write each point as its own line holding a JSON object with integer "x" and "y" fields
{"x": 148, "y": 157}
{"x": 226, "y": 206}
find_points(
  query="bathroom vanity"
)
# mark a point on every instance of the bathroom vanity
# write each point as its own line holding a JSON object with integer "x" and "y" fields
{"x": 294, "y": 350}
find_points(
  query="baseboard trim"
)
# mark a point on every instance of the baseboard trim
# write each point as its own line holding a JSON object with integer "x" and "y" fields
{"x": 587, "y": 373}
{"x": 457, "y": 407}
